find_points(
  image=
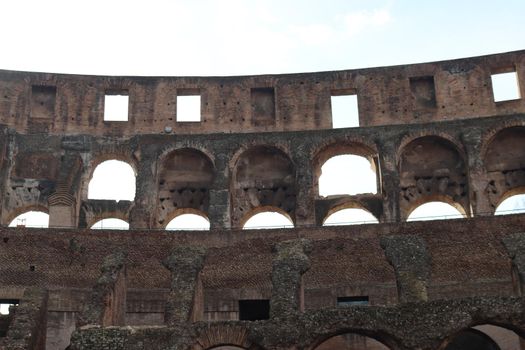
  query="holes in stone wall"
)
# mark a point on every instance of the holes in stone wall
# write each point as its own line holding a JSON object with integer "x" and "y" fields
{"x": 185, "y": 222}
{"x": 110, "y": 224}
{"x": 358, "y": 300}
{"x": 345, "y": 110}
{"x": 112, "y": 180}
{"x": 35, "y": 219}
{"x": 350, "y": 216}
{"x": 43, "y": 100}
{"x": 116, "y": 106}
{"x": 5, "y": 304}
{"x": 423, "y": 92}
{"x": 435, "y": 211}
{"x": 263, "y": 106}
{"x": 253, "y": 310}
{"x": 505, "y": 86}
{"x": 189, "y": 108}
{"x": 347, "y": 174}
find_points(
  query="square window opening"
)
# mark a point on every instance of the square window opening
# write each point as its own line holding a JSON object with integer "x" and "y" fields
{"x": 359, "y": 300}
{"x": 189, "y": 108}
{"x": 253, "y": 310}
{"x": 116, "y": 108}
{"x": 345, "y": 111}
{"x": 505, "y": 86}
{"x": 5, "y": 304}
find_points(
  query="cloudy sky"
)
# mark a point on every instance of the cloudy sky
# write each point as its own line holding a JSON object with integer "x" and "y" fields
{"x": 234, "y": 37}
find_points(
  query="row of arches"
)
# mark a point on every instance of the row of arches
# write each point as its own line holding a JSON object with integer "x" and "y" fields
{"x": 272, "y": 218}
{"x": 265, "y": 178}
{"x": 480, "y": 337}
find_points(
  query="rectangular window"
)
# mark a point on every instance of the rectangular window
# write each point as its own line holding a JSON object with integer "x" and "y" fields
{"x": 505, "y": 86}
{"x": 359, "y": 300}
{"x": 423, "y": 92}
{"x": 345, "y": 112}
{"x": 189, "y": 108}
{"x": 5, "y": 304}
{"x": 263, "y": 106}
{"x": 116, "y": 107}
{"x": 253, "y": 310}
{"x": 43, "y": 102}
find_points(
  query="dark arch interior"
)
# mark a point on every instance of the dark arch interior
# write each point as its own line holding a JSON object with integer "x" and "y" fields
{"x": 472, "y": 339}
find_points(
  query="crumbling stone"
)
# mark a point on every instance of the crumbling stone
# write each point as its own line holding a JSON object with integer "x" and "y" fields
{"x": 106, "y": 305}
{"x": 410, "y": 258}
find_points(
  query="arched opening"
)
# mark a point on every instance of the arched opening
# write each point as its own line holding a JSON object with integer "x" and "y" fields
{"x": 112, "y": 180}
{"x": 263, "y": 176}
{"x": 435, "y": 211}
{"x": 432, "y": 168}
{"x": 37, "y": 219}
{"x": 505, "y": 164}
{"x": 512, "y": 205}
{"x": 110, "y": 224}
{"x": 185, "y": 178}
{"x": 352, "y": 341}
{"x": 268, "y": 218}
{"x": 189, "y": 221}
{"x": 484, "y": 337}
{"x": 350, "y": 216}
{"x": 347, "y": 174}
{"x": 227, "y": 347}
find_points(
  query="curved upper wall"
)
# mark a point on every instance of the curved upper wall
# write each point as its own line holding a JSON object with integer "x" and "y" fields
{"x": 37, "y": 103}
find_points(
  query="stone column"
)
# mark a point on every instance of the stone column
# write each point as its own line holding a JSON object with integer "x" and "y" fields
{"x": 515, "y": 245}
{"x": 185, "y": 302}
{"x": 411, "y": 261}
{"x": 477, "y": 176}
{"x": 106, "y": 305}
{"x": 389, "y": 182}
{"x": 290, "y": 262}
{"x": 305, "y": 198}
{"x": 219, "y": 209}
{"x": 143, "y": 211}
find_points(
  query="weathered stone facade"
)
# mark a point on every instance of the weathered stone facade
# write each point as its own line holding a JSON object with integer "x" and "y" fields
{"x": 432, "y": 131}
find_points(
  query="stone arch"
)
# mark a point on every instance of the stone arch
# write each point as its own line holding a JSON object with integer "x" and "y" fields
{"x": 504, "y": 160}
{"x": 91, "y": 220}
{"x": 184, "y": 211}
{"x": 431, "y": 168}
{"x": 344, "y": 147}
{"x": 519, "y": 198}
{"x": 111, "y": 226}
{"x": 26, "y": 209}
{"x": 113, "y": 188}
{"x": 100, "y": 158}
{"x": 347, "y": 205}
{"x": 185, "y": 177}
{"x": 484, "y": 336}
{"x": 263, "y": 176}
{"x": 353, "y": 339}
{"x": 214, "y": 336}
{"x": 266, "y": 209}
{"x": 436, "y": 214}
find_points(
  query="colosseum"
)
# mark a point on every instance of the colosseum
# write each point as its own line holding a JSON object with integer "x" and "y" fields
{"x": 431, "y": 132}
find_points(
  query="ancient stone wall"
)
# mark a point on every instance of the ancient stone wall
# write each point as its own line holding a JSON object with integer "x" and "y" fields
{"x": 431, "y": 131}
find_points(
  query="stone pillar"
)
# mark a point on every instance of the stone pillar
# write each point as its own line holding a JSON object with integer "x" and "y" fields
{"x": 106, "y": 305}
{"x": 185, "y": 302}
{"x": 477, "y": 176}
{"x": 290, "y": 262}
{"x": 305, "y": 196}
{"x": 389, "y": 182}
{"x": 143, "y": 212}
{"x": 219, "y": 208}
{"x": 411, "y": 261}
{"x": 28, "y": 326}
{"x": 515, "y": 245}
